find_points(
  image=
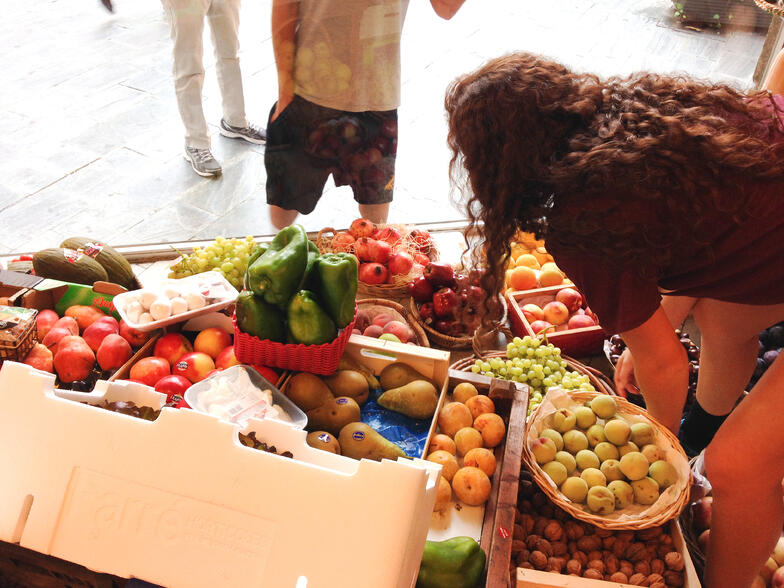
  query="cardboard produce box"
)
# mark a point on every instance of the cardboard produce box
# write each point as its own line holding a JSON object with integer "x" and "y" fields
{"x": 180, "y": 502}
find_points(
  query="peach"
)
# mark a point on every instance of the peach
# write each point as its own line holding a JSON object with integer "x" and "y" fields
{"x": 212, "y": 341}
{"x": 575, "y": 489}
{"x": 570, "y": 298}
{"x": 400, "y": 330}
{"x": 629, "y": 447}
{"x": 482, "y": 458}
{"x": 374, "y": 331}
{"x": 643, "y": 434}
{"x": 543, "y": 449}
{"x": 453, "y": 417}
{"x": 568, "y": 461}
{"x": 467, "y": 439}
{"x": 611, "y": 469}
{"x": 623, "y": 493}
{"x": 564, "y": 420}
{"x": 550, "y": 277}
{"x": 586, "y": 458}
{"x": 555, "y": 436}
{"x": 584, "y": 416}
{"x": 382, "y": 319}
{"x": 45, "y": 320}
{"x": 604, "y": 406}
{"x": 539, "y": 326}
{"x": 441, "y": 442}
{"x": 463, "y": 391}
{"x": 600, "y": 500}
{"x": 149, "y": 370}
{"x": 634, "y": 465}
{"x": 97, "y": 332}
{"x": 574, "y": 441}
{"x": 113, "y": 351}
{"x": 555, "y": 312}
{"x": 363, "y": 320}
{"x": 479, "y": 404}
{"x": 664, "y": 473}
{"x": 580, "y": 321}
{"x": 617, "y": 432}
{"x": 41, "y": 358}
{"x": 194, "y": 365}
{"x": 646, "y": 490}
{"x": 652, "y": 453}
{"x": 556, "y": 471}
{"x": 471, "y": 485}
{"x": 448, "y": 463}
{"x": 135, "y": 337}
{"x": 172, "y": 347}
{"x": 605, "y": 451}
{"x": 532, "y": 312}
{"x": 593, "y": 477}
{"x": 701, "y": 513}
{"x": 492, "y": 428}
{"x": 226, "y": 358}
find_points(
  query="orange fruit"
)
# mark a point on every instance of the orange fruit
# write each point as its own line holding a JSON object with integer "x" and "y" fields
{"x": 522, "y": 278}
{"x": 550, "y": 277}
{"x": 528, "y": 260}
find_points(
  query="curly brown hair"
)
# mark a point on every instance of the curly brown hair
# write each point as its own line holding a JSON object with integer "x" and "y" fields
{"x": 622, "y": 167}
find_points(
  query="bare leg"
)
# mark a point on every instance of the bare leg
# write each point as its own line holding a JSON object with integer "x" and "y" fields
{"x": 282, "y": 217}
{"x": 376, "y": 213}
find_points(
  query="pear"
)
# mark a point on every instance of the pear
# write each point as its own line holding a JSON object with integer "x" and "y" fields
{"x": 333, "y": 415}
{"x": 359, "y": 441}
{"x": 349, "y": 383}
{"x": 417, "y": 399}
{"x": 399, "y": 374}
{"x": 346, "y": 363}
{"x": 308, "y": 391}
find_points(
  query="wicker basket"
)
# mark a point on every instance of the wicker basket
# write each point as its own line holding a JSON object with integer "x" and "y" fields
{"x": 398, "y": 288}
{"x": 449, "y": 342}
{"x": 399, "y": 312}
{"x": 774, "y": 8}
{"x": 670, "y": 503}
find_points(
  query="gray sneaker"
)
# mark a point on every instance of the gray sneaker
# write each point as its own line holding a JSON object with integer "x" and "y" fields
{"x": 202, "y": 162}
{"x": 251, "y": 133}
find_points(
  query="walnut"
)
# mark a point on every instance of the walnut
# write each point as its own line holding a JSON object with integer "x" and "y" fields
{"x": 527, "y": 523}
{"x": 526, "y": 488}
{"x": 561, "y": 515}
{"x": 525, "y": 506}
{"x": 518, "y": 516}
{"x": 627, "y": 568}
{"x": 674, "y": 561}
{"x": 571, "y": 546}
{"x": 555, "y": 564}
{"x": 574, "y": 567}
{"x": 665, "y": 540}
{"x": 559, "y": 548}
{"x": 544, "y": 546}
{"x": 596, "y": 554}
{"x": 642, "y": 567}
{"x": 627, "y": 536}
{"x": 655, "y": 578}
{"x": 638, "y": 580}
{"x": 547, "y": 511}
{"x": 596, "y": 564}
{"x": 604, "y": 532}
{"x": 659, "y": 585}
{"x": 526, "y": 564}
{"x": 608, "y": 542}
{"x": 522, "y": 556}
{"x": 592, "y": 574}
{"x": 588, "y": 543}
{"x": 619, "y": 577}
{"x": 611, "y": 564}
{"x": 663, "y": 550}
{"x": 538, "y": 500}
{"x": 581, "y": 557}
{"x": 657, "y": 566}
{"x": 620, "y": 546}
{"x": 635, "y": 552}
{"x": 531, "y": 541}
{"x": 573, "y": 530}
{"x": 648, "y": 534}
{"x": 539, "y": 524}
{"x": 518, "y": 546}
{"x": 538, "y": 560}
{"x": 519, "y": 532}
{"x": 672, "y": 578}
{"x": 553, "y": 531}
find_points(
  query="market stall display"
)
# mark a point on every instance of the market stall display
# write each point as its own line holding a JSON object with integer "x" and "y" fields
{"x": 386, "y": 319}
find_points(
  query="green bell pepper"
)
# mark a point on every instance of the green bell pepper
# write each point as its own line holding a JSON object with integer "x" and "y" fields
{"x": 313, "y": 257}
{"x": 454, "y": 563}
{"x": 254, "y": 255}
{"x": 277, "y": 272}
{"x": 256, "y": 317}
{"x": 337, "y": 285}
{"x": 308, "y": 323}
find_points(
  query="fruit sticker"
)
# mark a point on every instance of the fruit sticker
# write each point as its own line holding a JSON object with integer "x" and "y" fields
{"x": 358, "y": 436}
{"x": 341, "y": 401}
{"x": 71, "y": 256}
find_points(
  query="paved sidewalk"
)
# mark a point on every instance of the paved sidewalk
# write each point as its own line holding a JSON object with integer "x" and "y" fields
{"x": 91, "y": 138}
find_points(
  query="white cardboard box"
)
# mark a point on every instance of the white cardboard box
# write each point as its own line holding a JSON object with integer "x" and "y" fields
{"x": 182, "y": 503}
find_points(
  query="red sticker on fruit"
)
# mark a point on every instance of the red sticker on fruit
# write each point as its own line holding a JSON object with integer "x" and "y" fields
{"x": 71, "y": 256}
{"x": 503, "y": 532}
{"x": 92, "y": 249}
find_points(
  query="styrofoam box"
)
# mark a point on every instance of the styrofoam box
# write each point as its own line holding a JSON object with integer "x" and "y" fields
{"x": 180, "y": 502}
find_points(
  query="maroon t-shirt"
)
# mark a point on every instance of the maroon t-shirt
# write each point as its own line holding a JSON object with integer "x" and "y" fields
{"x": 747, "y": 265}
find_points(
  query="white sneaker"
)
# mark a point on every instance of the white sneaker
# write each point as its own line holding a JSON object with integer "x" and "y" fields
{"x": 251, "y": 133}
{"x": 202, "y": 162}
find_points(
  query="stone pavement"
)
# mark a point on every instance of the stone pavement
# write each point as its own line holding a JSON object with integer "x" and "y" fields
{"x": 91, "y": 139}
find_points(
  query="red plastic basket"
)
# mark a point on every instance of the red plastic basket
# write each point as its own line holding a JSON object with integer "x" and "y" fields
{"x": 318, "y": 359}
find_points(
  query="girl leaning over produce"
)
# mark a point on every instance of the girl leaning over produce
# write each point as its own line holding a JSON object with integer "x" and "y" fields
{"x": 658, "y": 196}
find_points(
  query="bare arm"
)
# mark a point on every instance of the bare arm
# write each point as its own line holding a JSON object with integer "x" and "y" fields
{"x": 774, "y": 81}
{"x": 285, "y": 14}
{"x": 446, "y": 9}
{"x": 661, "y": 368}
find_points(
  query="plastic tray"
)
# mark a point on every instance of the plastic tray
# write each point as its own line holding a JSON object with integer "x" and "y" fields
{"x": 298, "y": 418}
{"x": 204, "y": 283}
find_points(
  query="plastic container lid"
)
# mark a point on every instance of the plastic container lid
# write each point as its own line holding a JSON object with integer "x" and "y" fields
{"x": 236, "y": 395}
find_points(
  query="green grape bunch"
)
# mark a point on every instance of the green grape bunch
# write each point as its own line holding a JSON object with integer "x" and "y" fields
{"x": 230, "y": 256}
{"x": 532, "y": 361}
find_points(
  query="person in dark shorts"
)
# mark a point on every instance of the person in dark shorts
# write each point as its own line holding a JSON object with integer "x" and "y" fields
{"x": 338, "y": 64}
{"x": 658, "y": 196}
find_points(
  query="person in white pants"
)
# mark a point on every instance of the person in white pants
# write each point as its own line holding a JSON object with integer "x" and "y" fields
{"x": 187, "y": 28}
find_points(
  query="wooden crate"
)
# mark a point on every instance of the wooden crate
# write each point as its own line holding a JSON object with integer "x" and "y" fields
{"x": 574, "y": 342}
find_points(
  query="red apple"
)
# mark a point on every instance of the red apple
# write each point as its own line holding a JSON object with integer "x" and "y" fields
{"x": 373, "y": 331}
{"x": 445, "y": 302}
{"x": 580, "y": 321}
{"x": 53, "y": 337}
{"x": 226, "y": 358}
{"x": 212, "y": 341}
{"x": 361, "y": 227}
{"x": 173, "y": 386}
{"x": 420, "y": 289}
{"x": 364, "y": 248}
{"x": 532, "y": 312}
{"x": 171, "y": 347}
{"x": 194, "y": 365}
{"x": 400, "y": 263}
{"x": 113, "y": 351}
{"x": 45, "y": 320}
{"x": 570, "y": 298}
{"x": 342, "y": 241}
{"x": 388, "y": 234}
{"x": 539, "y": 326}
{"x": 135, "y": 337}
{"x": 555, "y": 312}
{"x": 149, "y": 370}
{"x": 41, "y": 358}
{"x": 379, "y": 251}
{"x": 400, "y": 330}
{"x": 426, "y": 312}
{"x": 373, "y": 273}
{"x": 97, "y": 332}
{"x": 439, "y": 274}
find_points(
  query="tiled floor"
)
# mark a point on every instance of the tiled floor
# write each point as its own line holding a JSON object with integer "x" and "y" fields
{"x": 91, "y": 138}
